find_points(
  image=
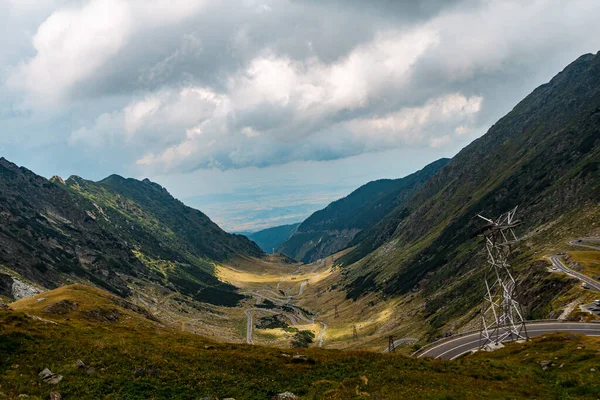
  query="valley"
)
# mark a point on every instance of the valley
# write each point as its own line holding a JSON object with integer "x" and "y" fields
{"x": 380, "y": 293}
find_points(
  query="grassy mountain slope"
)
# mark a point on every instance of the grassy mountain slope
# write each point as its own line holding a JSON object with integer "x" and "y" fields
{"x": 107, "y": 233}
{"x": 271, "y": 238}
{"x": 543, "y": 156}
{"x": 341, "y": 223}
{"x": 132, "y": 357}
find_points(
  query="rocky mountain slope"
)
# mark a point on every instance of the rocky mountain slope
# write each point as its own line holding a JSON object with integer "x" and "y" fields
{"x": 272, "y": 238}
{"x": 543, "y": 156}
{"x": 343, "y": 222}
{"x": 108, "y": 233}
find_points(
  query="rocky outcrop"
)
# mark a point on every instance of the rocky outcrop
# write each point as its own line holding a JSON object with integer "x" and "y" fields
{"x": 6, "y": 284}
{"x": 61, "y": 307}
{"x": 106, "y": 315}
{"x": 57, "y": 179}
{"x": 21, "y": 290}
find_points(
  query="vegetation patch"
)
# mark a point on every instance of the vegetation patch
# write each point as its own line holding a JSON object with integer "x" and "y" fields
{"x": 589, "y": 262}
{"x": 303, "y": 339}
{"x": 272, "y": 322}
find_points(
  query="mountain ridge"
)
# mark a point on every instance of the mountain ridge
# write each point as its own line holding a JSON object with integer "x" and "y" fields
{"x": 110, "y": 232}
{"x": 341, "y": 223}
{"x": 272, "y": 238}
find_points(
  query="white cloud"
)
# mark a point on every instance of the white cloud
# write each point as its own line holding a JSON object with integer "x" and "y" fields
{"x": 203, "y": 128}
{"x": 316, "y": 88}
{"x": 440, "y": 141}
{"x": 70, "y": 45}
{"x": 415, "y": 125}
{"x": 74, "y": 43}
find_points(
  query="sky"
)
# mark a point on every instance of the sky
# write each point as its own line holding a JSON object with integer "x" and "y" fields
{"x": 260, "y": 112}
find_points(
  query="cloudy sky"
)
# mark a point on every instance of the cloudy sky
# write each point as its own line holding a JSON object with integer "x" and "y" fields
{"x": 259, "y": 112}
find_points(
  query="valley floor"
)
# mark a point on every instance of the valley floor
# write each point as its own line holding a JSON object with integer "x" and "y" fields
{"x": 284, "y": 297}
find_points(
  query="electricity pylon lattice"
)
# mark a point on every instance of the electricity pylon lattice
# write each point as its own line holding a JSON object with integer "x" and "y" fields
{"x": 501, "y": 315}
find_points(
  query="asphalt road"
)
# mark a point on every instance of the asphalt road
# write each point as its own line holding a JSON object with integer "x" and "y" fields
{"x": 456, "y": 346}
{"x": 583, "y": 243}
{"x": 401, "y": 341}
{"x": 453, "y": 347}
{"x": 593, "y": 285}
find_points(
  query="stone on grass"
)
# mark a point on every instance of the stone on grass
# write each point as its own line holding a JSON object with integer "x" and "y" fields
{"x": 45, "y": 373}
{"x": 50, "y": 377}
{"x": 285, "y": 396}
{"x": 544, "y": 364}
{"x": 55, "y": 396}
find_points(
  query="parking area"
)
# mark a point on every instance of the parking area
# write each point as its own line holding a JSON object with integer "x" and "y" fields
{"x": 593, "y": 308}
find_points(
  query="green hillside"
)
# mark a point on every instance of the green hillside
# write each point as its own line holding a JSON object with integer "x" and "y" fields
{"x": 543, "y": 156}
{"x": 342, "y": 222}
{"x": 271, "y": 238}
{"x": 104, "y": 347}
{"x": 108, "y": 233}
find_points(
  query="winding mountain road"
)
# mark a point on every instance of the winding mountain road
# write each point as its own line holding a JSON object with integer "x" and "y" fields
{"x": 592, "y": 284}
{"x": 455, "y": 346}
{"x": 295, "y": 317}
{"x": 580, "y": 243}
{"x": 557, "y": 262}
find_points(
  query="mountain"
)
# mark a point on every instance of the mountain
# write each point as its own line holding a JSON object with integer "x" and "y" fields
{"x": 271, "y": 238}
{"x": 117, "y": 234}
{"x": 342, "y": 222}
{"x": 543, "y": 156}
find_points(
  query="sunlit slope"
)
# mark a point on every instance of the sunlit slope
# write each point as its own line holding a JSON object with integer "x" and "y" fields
{"x": 135, "y": 358}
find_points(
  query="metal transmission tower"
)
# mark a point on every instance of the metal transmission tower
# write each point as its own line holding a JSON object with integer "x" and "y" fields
{"x": 501, "y": 314}
{"x": 391, "y": 344}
